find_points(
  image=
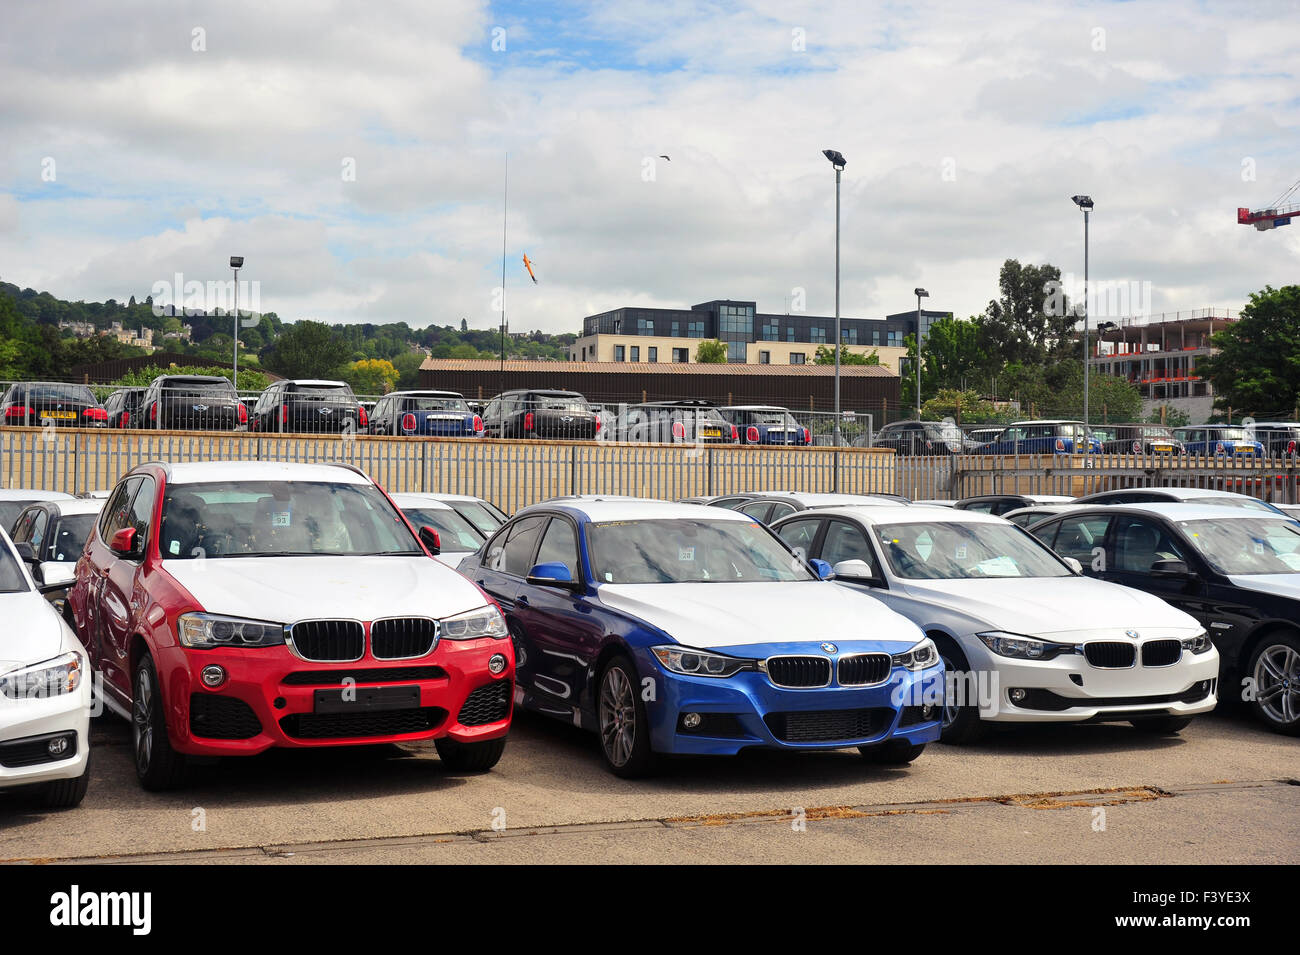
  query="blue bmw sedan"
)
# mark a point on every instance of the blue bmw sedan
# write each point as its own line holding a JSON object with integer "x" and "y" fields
{"x": 675, "y": 629}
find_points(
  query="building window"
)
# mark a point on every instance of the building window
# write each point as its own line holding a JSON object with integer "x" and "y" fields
{"x": 875, "y": 336}
{"x": 645, "y": 326}
{"x": 772, "y": 331}
{"x": 849, "y": 336}
{"x": 817, "y": 335}
{"x": 681, "y": 355}
{"x": 677, "y": 329}
{"x": 789, "y": 333}
{"x": 765, "y": 358}
{"x": 654, "y": 353}
{"x": 694, "y": 329}
{"x": 619, "y": 353}
{"x": 796, "y": 358}
{"x": 636, "y": 352}
{"x": 895, "y": 339}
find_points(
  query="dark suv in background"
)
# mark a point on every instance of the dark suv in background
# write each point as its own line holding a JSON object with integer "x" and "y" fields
{"x": 1279, "y": 438}
{"x": 923, "y": 438}
{"x": 541, "y": 413}
{"x": 690, "y": 420}
{"x": 37, "y": 403}
{"x": 192, "y": 403}
{"x": 1137, "y": 438}
{"x": 309, "y": 406}
{"x": 123, "y": 407}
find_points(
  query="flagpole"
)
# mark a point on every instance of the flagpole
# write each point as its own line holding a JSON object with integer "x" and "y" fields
{"x": 505, "y": 206}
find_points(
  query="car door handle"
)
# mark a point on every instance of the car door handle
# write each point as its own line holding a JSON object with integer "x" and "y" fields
{"x": 521, "y": 600}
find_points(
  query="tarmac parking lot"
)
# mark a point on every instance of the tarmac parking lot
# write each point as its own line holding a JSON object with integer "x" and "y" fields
{"x": 1225, "y": 791}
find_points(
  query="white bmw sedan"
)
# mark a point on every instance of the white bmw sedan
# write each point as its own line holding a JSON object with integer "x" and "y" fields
{"x": 1028, "y": 638}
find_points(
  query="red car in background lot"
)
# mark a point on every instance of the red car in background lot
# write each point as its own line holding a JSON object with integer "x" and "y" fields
{"x": 236, "y": 606}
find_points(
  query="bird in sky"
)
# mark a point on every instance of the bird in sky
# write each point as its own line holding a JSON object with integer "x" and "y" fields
{"x": 662, "y": 156}
{"x": 529, "y": 266}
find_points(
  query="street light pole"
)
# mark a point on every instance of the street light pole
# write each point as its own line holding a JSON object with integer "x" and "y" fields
{"x": 920, "y": 294}
{"x": 839, "y": 162}
{"x": 236, "y": 263}
{"x": 1085, "y": 203}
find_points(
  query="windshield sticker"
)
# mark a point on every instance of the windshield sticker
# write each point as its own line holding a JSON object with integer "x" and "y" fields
{"x": 280, "y": 519}
{"x": 174, "y": 547}
{"x": 961, "y": 552}
{"x": 686, "y": 553}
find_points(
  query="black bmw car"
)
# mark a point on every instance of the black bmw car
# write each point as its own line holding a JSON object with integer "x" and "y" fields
{"x": 1235, "y": 570}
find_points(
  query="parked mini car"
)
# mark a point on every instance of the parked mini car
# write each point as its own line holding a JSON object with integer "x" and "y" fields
{"x": 1237, "y": 571}
{"x": 999, "y": 504}
{"x": 671, "y": 629}
{"x": 688, "y": 421}
{"x": 1185, "y": 495}
{"x": 1279, "y": 438}
{"x": 922, "y": 438}
{"x": 1219, "y": 439}
{"x": 45, "y": 403}
{"x": 766, "y": 424}
{"x": 14, "y": 500}
{"x": 192, "y": 403}
{"x": 443, "y": 414}
{"x": 1137, "y": 438}
{"x": 1023, "y": 637}
{"x": 540, "y": 413}
{"x": 123, "y": 407}
{"x": 236, "y": 606}
{"x": 44, "y": 693}
{"x": 1042, "y": 437}
{"x": 457, "y": 537}
{"x": 309, "y": 406}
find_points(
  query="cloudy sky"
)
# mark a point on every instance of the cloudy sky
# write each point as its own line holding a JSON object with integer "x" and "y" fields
{"x": 354, "y": 152}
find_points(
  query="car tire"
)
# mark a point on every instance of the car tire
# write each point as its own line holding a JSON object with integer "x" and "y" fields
{"x": 621, "y": 721}
{"x": 157, "y": 765}
{"x": 65, "y": 793}
{"x": 1274, "y": 670}
{"x": 897, "y": 752}
{"x": 1162, "y": 725}
{"x": 470, "y": 757}
{"x": 961, "y": 724}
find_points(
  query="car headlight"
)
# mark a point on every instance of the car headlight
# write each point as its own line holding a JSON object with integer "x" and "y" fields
{"x": 483, "y": 622}
{"x": 690, "y": 662}
{"x": 51, "y": 678}
{"x": 924, "y": 654}
{"x": 1022, "y": 648}
{"x": 203, "y": 631}
{"x": 1200, "y": 643}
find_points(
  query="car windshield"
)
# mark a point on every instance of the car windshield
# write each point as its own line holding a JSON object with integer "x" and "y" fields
{"x": 55, "y": 392}
{"x": 946, "y": 432}
{"x": 312, "y": 392}
{"x": 781, "y": 419}
{"x": 436, "y": 403}
{"x": 280, "y": 518}
{"x": 183, "y": 387}
{"x": 689, "y": 551}
{"x": 11, "y": 574}
{"x": 1158, "y": 433}
{"x": 952, "y": 550}
{"x": 1243, "y": 502}
{"x": 71, "y": 537}
{"x": 570, "y": 404}
{"x": 1230, "y": 434}
{"x": 454, "y": 532}
{"x": 1247, "y": 545}
{"x": 480, "y": 515}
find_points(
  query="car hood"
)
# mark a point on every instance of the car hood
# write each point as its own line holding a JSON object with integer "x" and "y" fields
{"x": 32, "y": 631}
{"x": 285, "y": 589}
{"x": 1281, "y": 585}
{"x": 1056, "y": 605}
{"x": 716, "y": 615}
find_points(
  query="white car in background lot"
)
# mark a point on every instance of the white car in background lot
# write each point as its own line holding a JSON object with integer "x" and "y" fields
{"x": 1035, "y": 641}
{"x": 457, "y": 537}
{"x": 44, "y": 693}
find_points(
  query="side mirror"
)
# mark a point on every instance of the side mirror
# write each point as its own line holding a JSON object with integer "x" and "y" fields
{"x": 858, "y": 570}
{"x": 430, "y": 539}
{"x": 55, "y": 575}
{"x": 552, "y": 574}
{"x": 123, "y": 542}
{"x": 26, "y": 553}
{"x": 1170, "y": 568}
{"x": 821, "y": 569}
{"x": 1073, "y": 564}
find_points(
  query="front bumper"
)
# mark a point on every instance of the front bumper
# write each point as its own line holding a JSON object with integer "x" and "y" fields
{"x": 1068, "y": 689}
{"x": 24, "y": 725}
{"x": 269, "y": 698}
{"x": 748, "y": 710}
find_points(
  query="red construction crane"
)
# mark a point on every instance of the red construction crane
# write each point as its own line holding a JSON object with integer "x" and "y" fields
{"x": 1278, "y": 213}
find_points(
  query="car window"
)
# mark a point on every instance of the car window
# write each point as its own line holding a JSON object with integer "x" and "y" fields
{"x": 69, "y": 540}
{"x": 455, "y": 533}
{"x": 951, "y": 550}
{"x": 40, "y": 519}
{"x": 511, "y": 552}
{"x": 688, "y": 550}
{"x": 22, "y": 528}
{"x": 141, "y": 515}
{"x": 1247, "y": 545}
{"x": 1139, "y": 543}
{"x": 560, "y": 546}
{"x": 979, "y": 507}
{"x": 758, "y": 510}
{"x": 117, "y": 510}
{"x": 799, "y": 535}
{"x": 1079, "y": 537}
{"x": 845, "y": 541}
{"x": 11, "y": 575}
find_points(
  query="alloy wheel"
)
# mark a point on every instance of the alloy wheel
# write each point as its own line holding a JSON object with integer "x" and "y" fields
{"x": 1277, "y": 683}
{"x": 617, "y": 716}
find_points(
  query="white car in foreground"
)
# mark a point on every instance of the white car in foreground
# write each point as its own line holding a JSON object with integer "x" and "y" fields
{"x": 1029, "y": 638}
{"x": 44, "y": 693}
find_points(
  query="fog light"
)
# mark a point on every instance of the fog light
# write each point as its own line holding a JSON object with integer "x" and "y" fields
{"x": 1017, "y": 695}
{"x": 497, "y": 664}
{"x": 692, "y": 720}
{"x": 58, "y": 746}
{"x": 213, "y": 676}
{"x": 927, "y": 712}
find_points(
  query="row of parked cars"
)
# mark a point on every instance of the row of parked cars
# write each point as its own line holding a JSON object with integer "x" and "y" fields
{"x": 224, "y": 608}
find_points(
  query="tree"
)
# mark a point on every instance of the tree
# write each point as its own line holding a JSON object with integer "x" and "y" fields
{"x": 1031, "y": 321}
{"x": 825, "y": 355}
{"x": 952, "y": 355}
{"x": 1257, "y": 369}
{"x": 464, "y": 325}
{"x": 964, "y": 407}
{"x": 710, "y": 352}
{"x": 307, "y": 350}
{"x": 371, "y": 376}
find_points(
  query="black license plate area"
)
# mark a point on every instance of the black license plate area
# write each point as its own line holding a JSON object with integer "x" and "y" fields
{"x": 351, "y": 699}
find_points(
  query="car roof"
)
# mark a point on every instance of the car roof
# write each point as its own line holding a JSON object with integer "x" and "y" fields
{"x": 916, "y": 514}
{"x": 199, "y": 472}
{"x": 753, "y": 408}
{"x": 1181, "y": 493}
{"x": 603, "y": 509}
{"x": 316, "y": 381}
{"x": 1190, "y": 512}
{"x": 825, "y": 499}
{"x": 425, "y": 392}
{"x": 78, "y": 505}
{"x": 25, "y": 494}
{"x": 1046, "y": 510}
{"x": 420, "y": 500}
{"x": 1046, "y": 421}
{"x": 455, "y": 497}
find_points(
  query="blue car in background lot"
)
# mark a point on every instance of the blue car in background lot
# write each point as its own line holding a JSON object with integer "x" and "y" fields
{"x": 672, "y": 629}
{"x": 443, "y": 414}
{"x": 1042, "y": 437}
{"x": 1219, "y": 440}
{"x": 765, "y": 424}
